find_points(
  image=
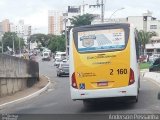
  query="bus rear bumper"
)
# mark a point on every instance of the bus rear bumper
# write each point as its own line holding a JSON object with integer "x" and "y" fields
{"x": 78, "y": 94}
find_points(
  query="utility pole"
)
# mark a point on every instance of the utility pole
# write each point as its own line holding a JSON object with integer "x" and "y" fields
{"x": 2, "y": 46}
{"x": 13, "y": 45}
{"x": 83, "y": 7}
{"x": 66, "y": 36}
{"x": 102, "y": 9}
{"x": 19, "y": 46}
{"x": 2, "y": 42}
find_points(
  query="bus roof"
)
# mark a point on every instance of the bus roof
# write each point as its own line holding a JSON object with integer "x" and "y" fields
{"x": 105, "y": 25}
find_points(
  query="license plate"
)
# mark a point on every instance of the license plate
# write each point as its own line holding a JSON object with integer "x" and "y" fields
{"x": 102, "y": 84}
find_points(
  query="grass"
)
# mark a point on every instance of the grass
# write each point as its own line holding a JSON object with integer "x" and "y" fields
{"x": 144, "y": 65}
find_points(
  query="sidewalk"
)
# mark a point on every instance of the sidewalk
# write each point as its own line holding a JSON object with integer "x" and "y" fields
{"x": 152, "y": 75}
{"x": 27, "y": 93}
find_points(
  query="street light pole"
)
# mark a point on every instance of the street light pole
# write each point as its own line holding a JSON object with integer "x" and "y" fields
{"x": 2, "y": 43}
{"x": 19, "y": 46}
{"x": 83, "y": 8}
{"x": 102, "y": 11}
{"x": 115, "y": 12}
{"x": 13, "y": 45}
{"x": 102, "y": 5}
{"x": 65, "y": 22}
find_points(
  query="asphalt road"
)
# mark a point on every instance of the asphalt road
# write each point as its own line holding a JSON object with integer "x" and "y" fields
{"x": 56, "y": 100}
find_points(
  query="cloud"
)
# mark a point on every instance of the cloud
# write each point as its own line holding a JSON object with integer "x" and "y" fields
{"x": 38, "y": 20}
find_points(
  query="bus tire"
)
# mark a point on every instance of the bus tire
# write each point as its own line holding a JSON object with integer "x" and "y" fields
{"x": 135, "y": 99}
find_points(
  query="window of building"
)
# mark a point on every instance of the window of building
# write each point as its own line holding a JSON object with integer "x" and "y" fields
{"x": 158, "y": 50}
{"x": 153, "y": 26}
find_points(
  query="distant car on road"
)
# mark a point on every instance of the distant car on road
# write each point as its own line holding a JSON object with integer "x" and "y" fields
{"x": 57, "y": 62}
{"x": 46, "y": 56}
{"x": 60, "y": 55}
{"x": 155, "y": 66}
{"x": 63, "y": 69}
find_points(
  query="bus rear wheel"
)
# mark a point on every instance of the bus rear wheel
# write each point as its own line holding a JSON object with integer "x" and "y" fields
{"x": 134, "y": 99}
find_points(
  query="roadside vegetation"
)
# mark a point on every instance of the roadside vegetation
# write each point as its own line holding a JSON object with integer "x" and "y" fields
{"x": 9, "y": 38}
{"x": 145, "y": 65}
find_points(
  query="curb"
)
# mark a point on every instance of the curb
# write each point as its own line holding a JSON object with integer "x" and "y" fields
{"x": 29, "y": 96}
{"x": 152, "y": 75}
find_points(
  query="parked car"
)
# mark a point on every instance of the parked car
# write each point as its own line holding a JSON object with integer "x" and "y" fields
{"x": 154, "y": 57}
{"x": 155, "y": 66}
{"x": 63, "y": 69}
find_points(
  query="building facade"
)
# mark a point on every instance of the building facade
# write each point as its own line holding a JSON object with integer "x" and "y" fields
{"x": 4, "y": 26}
{"x": 145, "y": 22}
{"x": 21, "y": 29}
{"x": 55, "y": 22}
{"x": 153, "y": 47}
{"x": 71, "y": 12}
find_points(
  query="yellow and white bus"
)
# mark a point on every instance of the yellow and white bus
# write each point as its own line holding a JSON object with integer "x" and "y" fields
{"x": 103, "y": 62}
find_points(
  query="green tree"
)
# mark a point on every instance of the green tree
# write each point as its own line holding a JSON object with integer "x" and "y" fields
{"x": 39, "y": 38}
{"x": 57, "y": 43}
{"x": 144, "y": 37}
{"x": 8, "y": 39}
{"x": 81, "y": 20}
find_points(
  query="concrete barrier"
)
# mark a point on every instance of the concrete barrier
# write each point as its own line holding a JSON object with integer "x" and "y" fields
{"x": 16, "y": 74}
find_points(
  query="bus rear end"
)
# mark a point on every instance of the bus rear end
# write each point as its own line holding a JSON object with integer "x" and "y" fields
{"x": 103, "y": 62}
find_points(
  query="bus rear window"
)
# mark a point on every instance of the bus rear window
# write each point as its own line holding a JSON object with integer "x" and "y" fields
{"x": 101, "y": 40}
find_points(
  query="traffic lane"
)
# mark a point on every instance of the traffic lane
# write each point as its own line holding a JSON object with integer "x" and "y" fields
{"x": 57, "y": 100}
{"x": 148, "y": 102}
{"x": 64, "y": 104}
{"x": 53, "y": 103}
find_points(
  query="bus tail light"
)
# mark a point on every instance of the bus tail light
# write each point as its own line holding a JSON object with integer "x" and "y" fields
{"x": 131, "y": 77}
{"x": 74, "y": 83}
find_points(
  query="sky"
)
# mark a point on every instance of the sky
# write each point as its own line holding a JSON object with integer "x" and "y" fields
{"x": 35, "y": 12}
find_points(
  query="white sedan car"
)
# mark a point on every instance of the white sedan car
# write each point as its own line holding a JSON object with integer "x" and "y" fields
{"x": 57, "y": 62}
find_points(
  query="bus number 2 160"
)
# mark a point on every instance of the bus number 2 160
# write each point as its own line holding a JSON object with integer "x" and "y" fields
{"x": 119, "y": 71}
